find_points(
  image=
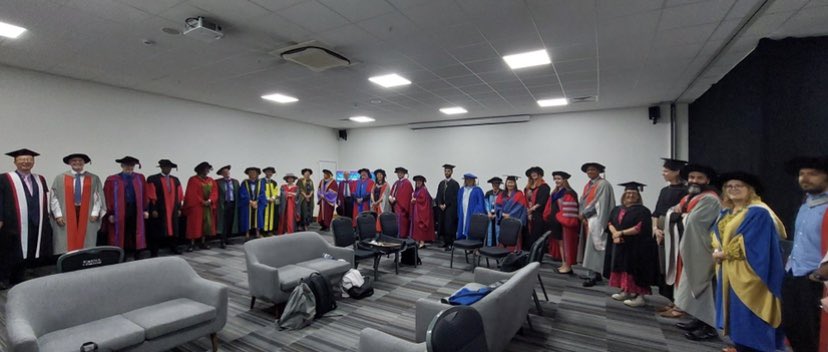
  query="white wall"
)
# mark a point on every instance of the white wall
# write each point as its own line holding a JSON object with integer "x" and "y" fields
{"x": 624, "y": 140}
{"x": 56, "y": 116}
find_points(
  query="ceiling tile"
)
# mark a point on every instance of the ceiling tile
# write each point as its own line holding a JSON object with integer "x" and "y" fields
{"x": 464, "y": 81}
{"x": 451, "y": 71}
{"x": 313, "y": 16}
{"x": 694, "y": 14}
{"x": 231, "y": 12}
{"x": 475, "y": 52}
{"x": 357, "y": 10}
{"x": 275, "y": 5}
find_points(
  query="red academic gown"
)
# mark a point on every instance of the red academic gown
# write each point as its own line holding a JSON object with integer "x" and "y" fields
{"x": 288, "y": 216}
{"x": 567, "y": 216}
{"x": 194, "y": 207}
{"x": 115, "y": 195}
{"x": 327, "y": 201}
{"x": 422, "y": 216}
{"x": 402, "y": 190}
{"x": 172, "y": 194}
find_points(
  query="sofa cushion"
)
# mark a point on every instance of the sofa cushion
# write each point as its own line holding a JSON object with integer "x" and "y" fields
{"x": 290, "y": 276}
{"x": 170, "y": 316}
{"x": 111, "y": 334}
{"x": 327, "y": 267}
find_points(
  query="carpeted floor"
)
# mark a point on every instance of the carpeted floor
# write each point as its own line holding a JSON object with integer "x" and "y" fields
{"x": 574, "y": 318}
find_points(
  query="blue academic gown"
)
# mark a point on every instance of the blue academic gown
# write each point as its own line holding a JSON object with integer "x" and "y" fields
{"x": 244, "y": 205}
{"x": 476, "y": 205}
{"x": 764, "y": 256}
{"x": 494, "y": 227}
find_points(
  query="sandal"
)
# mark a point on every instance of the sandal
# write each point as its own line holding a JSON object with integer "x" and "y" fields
{"x": 672, "y": 313}
{"x": 729, "y": 349}
{"x": 666, "y": 308}
{"x": 558, "y": 270}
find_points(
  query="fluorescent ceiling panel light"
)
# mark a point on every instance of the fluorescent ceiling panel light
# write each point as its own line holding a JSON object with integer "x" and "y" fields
{"x": 361, "y": 119}
{"x": 388, "y": 81}
{"x": 553, "y": 102}
{"x": 453, "y": 110}
{"x": 10, "y": 30}
{"x": 527, "y": 59}
{"x": 280, "y": 98}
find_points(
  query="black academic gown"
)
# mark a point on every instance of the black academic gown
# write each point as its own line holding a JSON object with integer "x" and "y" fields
{"x": 447, "y": 219}
{"x": 537, "y": 227}
{"x": 638, "y": 254}
{"x": 158, "y": 226}
{"x": 12, "y": 259}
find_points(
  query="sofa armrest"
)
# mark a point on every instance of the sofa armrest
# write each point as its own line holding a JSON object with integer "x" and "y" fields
{"x": 425, "y": 312}
{"x": 21, "y": 336}
{"x": 344, "y": 253}
{"x": 212, "y": 294}
{"x": 263, "y": 280}
{"x": 371, "y": 340}
{"x": 486, "y": 276}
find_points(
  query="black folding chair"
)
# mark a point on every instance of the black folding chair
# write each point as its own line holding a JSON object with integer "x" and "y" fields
{"x": 367, "y": 231}
{"x": 536, "y": 255}
{"x": 89, "y": 258}
{"x": 344, "y": 236}
{"x": 391, "y": 232}
{"x": 478, "y": 229}
{"x": 509, "y": 233}
{"x": 457, "y": 329}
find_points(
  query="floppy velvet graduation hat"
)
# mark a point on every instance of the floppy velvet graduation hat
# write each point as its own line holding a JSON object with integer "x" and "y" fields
{"x": 804, "y": 162}
{"x": 633, "y": 185}
{"x": 270, "y": 168}
{"x": 69, "y": 157}
{"x": 469, "y": 175}
{"x": 225, "y": 167}
{"x": 751, "y": 179}
{"x": 202, "y": 166}
{"x": 448, "y": 166}
{"x": 21, "y": 152}
{"x": 365, "y": 170}
{"x": 380, "y": 171}
{"x": 128, "y": 160}
{"x": 585, "y": 166}
{"x": 306, "y": 170}
{"x": 563, "y": 174}
{"x": 289, "y": 175}
{"x": 495, "y": 180}
{"x": 420, "y": 178}
{"x": 253, "y": 168}
{"x": 326, "y": 171}
{"x": 707, "y": 170}
{"x": 400, "y": 169}
{"x": 673, "y": 164}
{"x": 512, "y": 178}
{"x": 166, "y": 163}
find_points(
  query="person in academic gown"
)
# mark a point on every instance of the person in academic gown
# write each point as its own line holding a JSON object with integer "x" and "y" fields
{"x": 25, "y": 234}
{"x": 345, "y": 197}
{"x": 537, "y": 197}
{"x": 689, "y": 265}
{"x": 77, "y": 204}
{"x": 400, "y": 198}
{"x": 490, "y": 198}
{"x": 271, "y": 212}
{"x": 379, "y": 196}
{"x": 595, "y": 205}
{"x": 469, "y": 201}
{"x": 252, "y": 203}
{"x": 200, "y": 206}
{"x": 326, "y": 197}
{"x": 422, "y": 215}
{"x": 669, "y": 196}
{"x": 306, "y": 199}
{"x": 631, "y": 260}
{"x": 165, "y": 199}
{"x": 561, "y": 214}
{"x": 511, "y": 203}
{"x": 446, "y": 200}
{"x": 362, "y": 193}
{"x": 749, "y": 269}
{"x": 289, "y": 205}
{"x": 127, "y": 207}
{"x": 228, "y": 189}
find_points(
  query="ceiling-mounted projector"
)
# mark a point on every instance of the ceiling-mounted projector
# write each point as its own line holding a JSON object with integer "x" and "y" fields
{"x": 201, "y": 29}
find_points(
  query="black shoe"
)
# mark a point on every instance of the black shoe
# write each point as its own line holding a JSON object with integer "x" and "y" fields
{"x": 204, "y": 245}
{"x": 176, "y": 250}
{"x": 190, "y": 248}
{"x": 702, "y": 334}
{"x": 589, "y": 283}
{"x": 691, "y": 325}
{"x": 222, "y": 245}
{"x": 447, "y": 249}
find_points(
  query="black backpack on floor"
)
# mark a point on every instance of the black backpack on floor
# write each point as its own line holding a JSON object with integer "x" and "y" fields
{"x": 322, "y": 292}
{"x": 408, "y": 257}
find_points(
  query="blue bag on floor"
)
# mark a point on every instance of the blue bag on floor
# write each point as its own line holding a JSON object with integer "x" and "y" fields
{"x": 465, "y": 297}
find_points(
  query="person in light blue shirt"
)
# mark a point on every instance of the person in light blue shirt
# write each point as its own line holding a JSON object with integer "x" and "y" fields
{"x": 801, "y": 294}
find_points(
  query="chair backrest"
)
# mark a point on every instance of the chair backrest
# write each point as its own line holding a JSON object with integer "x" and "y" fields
{"x": 540, "y": 245}
{"x": 366, "y": 226}
{"x": 509, "y": 231}
{"x": 343, "y": 231}
{"x": 89, "y": 258}
{"x": 278, "y": 251}
{"x": 388, "y": 223}
{"x": 457, "y": 329}
{"x": 478, "y": 226}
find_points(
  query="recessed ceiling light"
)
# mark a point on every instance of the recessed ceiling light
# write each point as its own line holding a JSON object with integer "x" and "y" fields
{"x": 454, "y": 110}
{"x": 10, "y": 30}
{"x": 527, "y": 59}
{"x": 280, "y": 98}
{"x": 388, "y": 81}
{"x": 553, "y": 102}
{"x": 361, "y": 119}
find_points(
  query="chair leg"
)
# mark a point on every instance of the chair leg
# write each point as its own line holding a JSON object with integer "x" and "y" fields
{"x": 376, "y": 266}
{"x": 396, "y": 263}
{"x": 543, "y": 288}
{"x": 451, "y": 262}
{"x": 537, "y": 302}
{"x": 529, "y": 320}
{"x": 467, "y": 255}
{"x": 416, "y": 255}
{"x": 214, "y": 341}
{"x": 487, "y": 262}
{"x": 252, "y": 302}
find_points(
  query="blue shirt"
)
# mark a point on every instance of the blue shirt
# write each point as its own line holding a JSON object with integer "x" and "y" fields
{"x": 807, "y": 248}
{"x": 129, "y": 189}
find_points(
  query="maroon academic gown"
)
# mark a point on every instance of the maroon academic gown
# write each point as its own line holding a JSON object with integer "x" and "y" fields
{"x": 402, "y": 190}
{"x": 115, "y": 194}
{"x": 422, "y": 216}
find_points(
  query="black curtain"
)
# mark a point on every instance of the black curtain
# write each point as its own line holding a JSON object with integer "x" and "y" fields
{"x": 770, "y": 107}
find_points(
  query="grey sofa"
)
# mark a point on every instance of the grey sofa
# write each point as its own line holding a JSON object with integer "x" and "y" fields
{"x": 503, "y": 312}
{"x": 276, "y": 265}
{"x": 146, "y": 305}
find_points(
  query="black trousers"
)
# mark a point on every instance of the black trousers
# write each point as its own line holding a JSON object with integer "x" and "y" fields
{"x": 229, "y": 211}
{"x": 158, "y": 236}
{"x": 801, "y": 312}
{"x": 664, "y": 289}
{"x": 447, "y": 225}
{"x": 130, "y": 227}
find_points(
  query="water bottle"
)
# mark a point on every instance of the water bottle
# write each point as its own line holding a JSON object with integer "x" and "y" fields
{"x": 327, "y": 256}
